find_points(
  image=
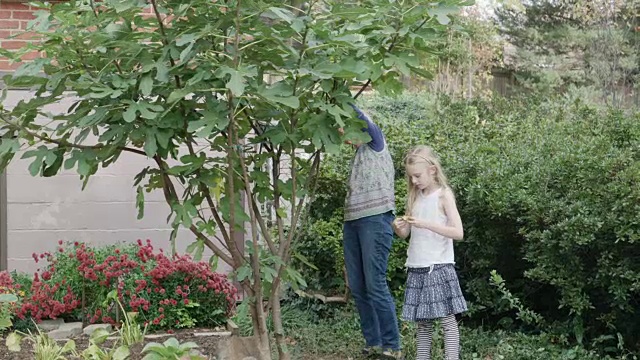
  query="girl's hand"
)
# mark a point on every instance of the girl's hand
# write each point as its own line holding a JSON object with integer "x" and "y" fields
{"x": 418, "y": 223}
{"x": 400, "y": 223}
{"x": 401, "y": 227}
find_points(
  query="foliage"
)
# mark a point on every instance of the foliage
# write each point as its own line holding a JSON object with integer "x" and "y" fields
{"x": 11, "y": 294}
{"x": 336, "y": 335}
{"x": 171, "y": 349}
{"x": 97, "y": 350}
{"x": 129, "y": 331}
{"x": 467, "y": 56}
{"x": 230, "y": 100}
{"x": 6, "y": 301}
{"x": 523, "y": 314}
{"x": 591, "y": 44}
{"x": 164, "y": 292}
{"x": 544, "y": 187}
{"x": 44, "y": 347}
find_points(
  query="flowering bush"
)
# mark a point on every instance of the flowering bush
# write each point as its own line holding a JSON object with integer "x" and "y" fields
{"x": 165, "y": 291}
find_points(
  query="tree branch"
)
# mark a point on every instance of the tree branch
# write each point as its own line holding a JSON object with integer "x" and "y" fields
{"x": 171, "y": 197}
{"x": 263, "y": 227}
{"x": 286, "y": 246}
{"x": 65, "y": 143}
{"x": 165, "y": 41}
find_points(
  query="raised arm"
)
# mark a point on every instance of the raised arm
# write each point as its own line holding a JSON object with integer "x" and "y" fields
{"x": 374, "y": 131}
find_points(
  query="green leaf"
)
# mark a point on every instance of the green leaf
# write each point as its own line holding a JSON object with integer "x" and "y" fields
{"x": 324, "y": 70}
{"x": 146, "y": 85}
{"x": 149, "y": 111}
{"x": 243, "y": 273}
{"x": 32, "y": 68}
{"x": 172, "y": 342}
{"x": 268, "y": 273}
{"x": 9, "y": 146}
{"x": 186, "y": 52}
{"x": 216, "y": 117}
{"x": 442, "y": 12}
{"x": 157, "y": 351}
{"x": 13, "y": 342}
{"x": 422, "y": 72}
{"x": 36, "y": 166}
{"x": 278, "y": 93}
{"x": 191, "y": 247}
{"x": 177, "y": 94}
{"x": 100, "y": 92}
{"x": 281, "y": 212}
{"x": 121, "y": 353}
{"x": 172, "y": 239}
{"x": 99, "y": 336}
{"x": 8, "y": 298}
{"x": 236, "y": 81}
{"x": 5, "y": 323}
{"x": 197, "y": 256}
{"x": 130, "y": 114}
{"x": 279, "y": 13}
{"x": 164, "y": 138}
{"x": 305, "y": 261}
{"x": 122, "y": 5}
{"x": 53, "y": 163}
{"x": 188, "y": 346}
{"x": 213, "y": 262}
{"x": 140, "y": 202}
{"x": 186, "y": 39}
{"x": 150, "y": 145}
{"x": 68, "y": 347}
{"x": 115, "y": 30}
{"x": 240, "y": 215}
{"x": 162, "y": 72}
{"x": 336, "y": 111}
{"x": 236, "y": 84}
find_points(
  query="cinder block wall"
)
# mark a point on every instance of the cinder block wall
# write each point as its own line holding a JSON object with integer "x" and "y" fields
{"x": 42, "y": 211}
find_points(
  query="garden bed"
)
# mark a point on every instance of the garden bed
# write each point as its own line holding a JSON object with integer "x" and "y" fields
{"x": 209, "y": 342}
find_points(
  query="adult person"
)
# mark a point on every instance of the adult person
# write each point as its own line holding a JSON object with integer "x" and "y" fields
{"x": 367, "y": 237}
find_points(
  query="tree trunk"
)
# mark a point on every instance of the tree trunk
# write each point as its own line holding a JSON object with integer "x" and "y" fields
{"x": 281, "y": 339}
{"x": 260, "y": 330}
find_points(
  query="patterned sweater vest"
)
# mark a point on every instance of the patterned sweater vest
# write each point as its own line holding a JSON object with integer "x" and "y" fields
{"x": 371, "y": 184}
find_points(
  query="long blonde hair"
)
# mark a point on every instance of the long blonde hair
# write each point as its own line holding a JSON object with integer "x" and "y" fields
{"x": 422, "y": 154}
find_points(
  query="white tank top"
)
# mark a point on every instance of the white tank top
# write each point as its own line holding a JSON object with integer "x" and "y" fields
{"x": 426, "y": 247}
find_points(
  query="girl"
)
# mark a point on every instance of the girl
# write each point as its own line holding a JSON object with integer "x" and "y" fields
{"x": 432, "y": 219}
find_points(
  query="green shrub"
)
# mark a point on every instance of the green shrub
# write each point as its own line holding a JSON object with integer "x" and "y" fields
{"x": 338, "y": 336}
{"x": 548, "y": 195}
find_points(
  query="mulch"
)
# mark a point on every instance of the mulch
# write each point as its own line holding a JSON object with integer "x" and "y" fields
{"x": 207, "y": 345}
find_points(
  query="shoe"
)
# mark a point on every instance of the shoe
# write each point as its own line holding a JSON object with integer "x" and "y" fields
{"x": 370, "y": 351}
{"x": 392, "y": 355}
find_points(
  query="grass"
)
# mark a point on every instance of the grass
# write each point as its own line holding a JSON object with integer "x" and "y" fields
{"x": 323, "y": 332}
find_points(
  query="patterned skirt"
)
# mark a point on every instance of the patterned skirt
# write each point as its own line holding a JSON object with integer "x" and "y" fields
{"x": 432, "y": 293}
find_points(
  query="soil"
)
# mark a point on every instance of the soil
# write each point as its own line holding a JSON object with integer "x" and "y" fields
{"x": 207, "y": 345}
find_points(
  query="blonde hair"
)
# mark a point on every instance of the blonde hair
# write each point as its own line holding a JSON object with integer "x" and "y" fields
{"x": 422, "y": 154}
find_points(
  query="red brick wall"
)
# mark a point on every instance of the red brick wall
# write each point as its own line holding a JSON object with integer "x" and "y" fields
{"x": 14, "y": 17}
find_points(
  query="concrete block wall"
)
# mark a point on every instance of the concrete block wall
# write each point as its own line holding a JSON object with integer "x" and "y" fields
{"x": 42, "y": 211}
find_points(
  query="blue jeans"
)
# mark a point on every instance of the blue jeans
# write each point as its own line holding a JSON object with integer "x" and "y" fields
{"x": 367, "y": 243}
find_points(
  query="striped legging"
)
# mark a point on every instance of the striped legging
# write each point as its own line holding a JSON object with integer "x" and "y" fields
{"x": 451, "y": 339}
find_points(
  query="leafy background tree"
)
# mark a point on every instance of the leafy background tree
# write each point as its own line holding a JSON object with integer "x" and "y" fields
{"x": 562, "y": 44}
